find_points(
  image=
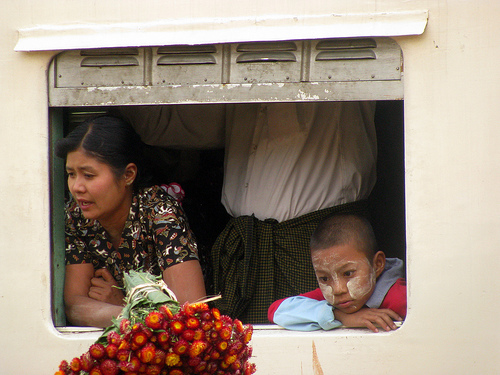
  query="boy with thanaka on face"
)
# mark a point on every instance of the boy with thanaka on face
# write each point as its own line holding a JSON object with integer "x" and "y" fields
{"x": 358, "y": 286}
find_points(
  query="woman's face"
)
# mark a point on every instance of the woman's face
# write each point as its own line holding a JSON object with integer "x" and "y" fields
{"x": 97, "y": 190}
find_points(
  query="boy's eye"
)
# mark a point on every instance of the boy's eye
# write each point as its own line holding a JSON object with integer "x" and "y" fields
{"x": 70, "y": 174}
{"x": 323, "y": 279}
{"x": 349, "y": 273}
{"x": 87, "y": 175}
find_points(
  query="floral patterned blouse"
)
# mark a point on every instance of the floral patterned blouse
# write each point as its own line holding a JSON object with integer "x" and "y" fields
{"x": 156, "y": 236}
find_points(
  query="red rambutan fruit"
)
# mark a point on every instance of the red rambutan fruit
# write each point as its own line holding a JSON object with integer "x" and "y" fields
{"x": 153, "y": 369}
{"x": 96, "y": 371}
{"x": 147, "y": 353}
{"x": 75, "y": 364}
{"x": 125, "y": 366}
{"x": 226, "y": 319}
{"x": 211, "y": 367}
{"x": 188, "y": 335}
{"x": 197, "y": 347}
{"x": 206, "y": 315}
{"x": 235, "y": 347}
{"x": 236, "y": 365}
{"x": 218, "y": 325}
{"x": 214, "y": 354}
{"x": 109, "y": 367}
{"x": 200, "y": 307}
{"x": 172, "y": 359}
{"x": 165, "y": 311}
{"x": 207, "y": 325}
{"x": 139, "y": 339}
{"x": 123, "y": 354}
{"x": 125, "y": 326}
{"x": 114, "y": 338}
{"x": 247, "y": 334}
{"x": 97, "y": 351}
{"x": 87, "y": 362}
{"x": 221, "y": 345}
{"x": 229, "y": 358}
{"x": 216, "y": 313}
{"x": 137, "y": 327}
{"x": 111, "y": 350}
{"x": 176, "y": 326}
{"x": 64, "y": 366}
{"x": 192, "y": 322}
{"x": 154, "y": 320}
{"x": 180, "y": 347}
{"x": 125, "y": 344}
{"x": 159, "y": 358}
{"x": 163, "y": 338}
{"x": 187, "y": 309}
{"x": 249, "y": 368}
{"x": 200, "y": 367}
{"x": 130, "y": 366}
{"x": 225, "y": 332}
{"x": 198, "y": 334}
{"x": 238, "y": 325}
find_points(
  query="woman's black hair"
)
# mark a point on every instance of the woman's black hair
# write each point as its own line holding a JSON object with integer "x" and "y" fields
{"x": 110, "y": 140}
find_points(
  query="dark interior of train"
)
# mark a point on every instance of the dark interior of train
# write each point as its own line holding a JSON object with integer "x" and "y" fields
{"x": 200, "y": 173}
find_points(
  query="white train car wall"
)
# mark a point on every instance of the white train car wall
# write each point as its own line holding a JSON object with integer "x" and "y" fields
{"x": 441, "y": 58}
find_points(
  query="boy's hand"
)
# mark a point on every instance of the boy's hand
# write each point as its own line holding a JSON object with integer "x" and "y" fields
{"x": 104, "y": 288}
{"x": 368, "y": 318}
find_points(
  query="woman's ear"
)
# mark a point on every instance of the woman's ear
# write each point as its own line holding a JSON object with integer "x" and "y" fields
{"x": 379, "y": 262}
{"x": 130, "y": 174}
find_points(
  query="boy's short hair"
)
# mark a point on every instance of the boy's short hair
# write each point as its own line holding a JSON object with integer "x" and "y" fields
{"x": 341, "y": 229}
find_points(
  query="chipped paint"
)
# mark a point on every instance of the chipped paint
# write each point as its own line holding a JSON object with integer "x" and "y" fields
{"x": 317, "y": 370}
{"x": 307, "y": 96}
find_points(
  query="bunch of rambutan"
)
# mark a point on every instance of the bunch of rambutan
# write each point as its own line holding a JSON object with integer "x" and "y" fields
{"x": 196, "y": 339}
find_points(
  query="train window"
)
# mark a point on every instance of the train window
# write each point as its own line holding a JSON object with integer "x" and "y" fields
{"x": 86, "y": 82}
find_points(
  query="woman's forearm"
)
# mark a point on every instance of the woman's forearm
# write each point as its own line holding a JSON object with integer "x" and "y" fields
{"x": 88, "y": 312}
{"x": 186, "y": 281}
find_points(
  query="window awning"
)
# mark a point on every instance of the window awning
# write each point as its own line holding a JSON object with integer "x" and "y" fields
{"x": 221, "y": 30}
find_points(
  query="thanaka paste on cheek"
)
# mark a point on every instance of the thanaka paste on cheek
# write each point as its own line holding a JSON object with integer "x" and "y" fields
{"x": 327, "y": 291}
{"x": 361, "y": 285}
{"x": 320, "y": 261}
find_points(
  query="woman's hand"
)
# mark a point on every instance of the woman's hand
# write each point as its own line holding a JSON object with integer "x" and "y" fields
{"x": 104, "y": 288}
{"x": 368, "y": 318}
{"x": 81, "y": 310}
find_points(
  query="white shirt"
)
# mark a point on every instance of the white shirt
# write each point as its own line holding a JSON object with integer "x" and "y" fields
{"x": 282, "y": 160}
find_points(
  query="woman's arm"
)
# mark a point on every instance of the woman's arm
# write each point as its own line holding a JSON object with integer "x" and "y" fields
{"x": 186, "y": 281}
{"x": 81, "y": 310}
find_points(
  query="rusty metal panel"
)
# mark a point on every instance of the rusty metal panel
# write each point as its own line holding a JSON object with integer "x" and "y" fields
{"x": 366, "y": 59}
{"x": 187, "y": 65}
{"x": 327, "y": 69}
{"x": 100, "y": 67}
{"x": 263, "y": 62}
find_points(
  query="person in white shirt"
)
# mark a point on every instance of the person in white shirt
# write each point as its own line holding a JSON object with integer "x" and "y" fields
{"x": 287, "y": 165}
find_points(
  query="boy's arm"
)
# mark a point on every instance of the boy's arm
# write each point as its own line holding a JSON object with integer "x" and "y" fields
{"x": 301, "y": 313}
{"x": 369, "y": 318}
{"x": 315, "y": 294}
